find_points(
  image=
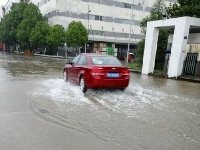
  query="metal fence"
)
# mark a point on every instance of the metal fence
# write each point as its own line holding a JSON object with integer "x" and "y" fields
{"x": 190, "y": 63}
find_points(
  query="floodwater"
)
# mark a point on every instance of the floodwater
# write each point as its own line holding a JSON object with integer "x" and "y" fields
{"x": 151, "y": 114}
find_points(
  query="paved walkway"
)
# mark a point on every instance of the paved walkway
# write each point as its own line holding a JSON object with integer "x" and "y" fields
{"x": 185, "y": 77}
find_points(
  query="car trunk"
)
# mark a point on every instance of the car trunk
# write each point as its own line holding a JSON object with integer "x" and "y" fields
{"x": 110, "y": 72}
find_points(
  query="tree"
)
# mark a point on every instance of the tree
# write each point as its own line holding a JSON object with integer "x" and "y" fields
{"x": 38, "y": 36}
{"x": 76, "y": 34}
{"x": 10, "y": 22}
{"x": 4, "y": 30}
{"x": 184, "y": 8}
{"x": 56, "y": 36}
{"x": 31, "y": 16}
{"x": 156, "y": 13}
{"x": 14, "y": 19}
{"x": 140, "y": 51}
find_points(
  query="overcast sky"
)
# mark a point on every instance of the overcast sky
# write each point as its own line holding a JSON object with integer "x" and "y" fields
{"x": 3, "y": 2}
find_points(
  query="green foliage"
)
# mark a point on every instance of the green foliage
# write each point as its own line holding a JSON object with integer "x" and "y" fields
{"x": 76, "y": 35}
{"x": 56, "y": 36}
{"x": 4, "y": 30}
{"x": 38, "y": 36}
{"x": 10, "y": 22}
{"x": 31, "y": 16}
{"x": 184, "y": 8}
{"x": 140, "y": 51}
{"x": 156, "y": 13}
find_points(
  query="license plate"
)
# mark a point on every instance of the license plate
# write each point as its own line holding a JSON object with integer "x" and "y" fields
{"x": 112, "y": 75}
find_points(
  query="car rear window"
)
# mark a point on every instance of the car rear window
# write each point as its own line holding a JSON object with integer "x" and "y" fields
{"x": 105, "y": 60}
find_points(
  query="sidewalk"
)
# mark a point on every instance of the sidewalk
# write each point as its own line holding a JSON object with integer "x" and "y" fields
{"x": 195, "y": 79}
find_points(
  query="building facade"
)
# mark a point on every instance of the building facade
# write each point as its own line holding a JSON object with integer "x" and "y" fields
{"x": 6, "y": 8}
{"x": 107, "y": 21}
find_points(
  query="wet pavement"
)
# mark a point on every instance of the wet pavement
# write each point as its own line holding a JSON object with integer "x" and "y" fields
{"x": 38, "y": 110}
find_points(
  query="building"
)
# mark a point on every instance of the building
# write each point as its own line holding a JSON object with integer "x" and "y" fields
{"x": 6, "y": 8}
{"x": 107, "y": 21}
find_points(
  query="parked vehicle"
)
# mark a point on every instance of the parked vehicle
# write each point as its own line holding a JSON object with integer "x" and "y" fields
{"x": 92, "y": 70}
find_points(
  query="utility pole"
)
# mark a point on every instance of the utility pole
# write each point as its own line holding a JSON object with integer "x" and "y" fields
{"x": 88, "y": 17}
{"x": 129, "y": 35}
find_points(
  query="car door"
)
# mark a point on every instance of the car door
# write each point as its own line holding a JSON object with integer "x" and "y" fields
{"x": 79, "y": 67}
{"x": 72, "y": 69}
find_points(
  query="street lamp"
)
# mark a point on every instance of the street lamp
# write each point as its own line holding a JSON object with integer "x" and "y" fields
{"x": 129, "y": 36}
{"x": 88, "y": 13}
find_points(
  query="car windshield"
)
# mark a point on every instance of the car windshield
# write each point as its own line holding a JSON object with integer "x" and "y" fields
{"x": 105, "y": 60}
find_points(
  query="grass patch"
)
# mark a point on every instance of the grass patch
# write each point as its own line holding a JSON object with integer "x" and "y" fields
{"x": 135, "y": 65}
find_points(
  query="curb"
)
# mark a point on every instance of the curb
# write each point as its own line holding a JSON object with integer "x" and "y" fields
{"x": 163, "y": 76}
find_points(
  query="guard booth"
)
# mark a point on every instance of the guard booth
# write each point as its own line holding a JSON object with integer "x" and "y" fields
{"x": 178, "y": 60}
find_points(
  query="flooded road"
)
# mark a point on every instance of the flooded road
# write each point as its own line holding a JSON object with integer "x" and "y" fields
{"x": 38, "y": 110}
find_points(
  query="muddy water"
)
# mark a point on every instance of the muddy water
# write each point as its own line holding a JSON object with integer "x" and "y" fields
{"x": 151, "y": 114}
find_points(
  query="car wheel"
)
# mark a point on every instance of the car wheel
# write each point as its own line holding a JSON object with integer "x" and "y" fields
{"x": 82, "y": 85}
{"x": 65, "y": 76}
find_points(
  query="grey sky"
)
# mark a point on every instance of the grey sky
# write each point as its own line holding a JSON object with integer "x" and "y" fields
{"x": 3, "y": 2}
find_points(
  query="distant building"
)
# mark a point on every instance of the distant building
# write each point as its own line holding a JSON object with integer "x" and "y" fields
{"x": 107, "y": 21}
{"x": 6, "y": 8}
{"x": 1, "y": 12}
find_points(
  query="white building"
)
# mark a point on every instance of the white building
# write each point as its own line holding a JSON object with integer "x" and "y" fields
{"x": 107, "y": 21}
{"x": 6, "y": 8}
{"x": 8, "y": 5}
{"x": 1, "y": 12}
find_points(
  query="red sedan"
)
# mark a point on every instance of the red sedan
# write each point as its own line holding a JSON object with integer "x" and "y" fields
{"x": 92, "y": 70}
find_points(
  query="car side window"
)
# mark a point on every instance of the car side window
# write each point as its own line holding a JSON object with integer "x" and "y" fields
{"x": 82, "y": 60}
{"x": 75, "y": 60}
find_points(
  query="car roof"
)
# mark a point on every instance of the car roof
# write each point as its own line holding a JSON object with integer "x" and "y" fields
{"x": 95, "y": 54}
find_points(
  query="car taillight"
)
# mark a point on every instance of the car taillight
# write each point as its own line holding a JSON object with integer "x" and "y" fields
{"x": 126, "y": 73}
{"x": 97, "y": 74}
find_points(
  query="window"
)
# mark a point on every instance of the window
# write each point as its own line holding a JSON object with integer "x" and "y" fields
{"x": 92, "y": 17}
{"x": 96, "y": 17}
{"x": 126, "y": 21}
{"x": 75, "y": 60}
{"x": 97, "y": 32}
{"x": 127, "y": 5}
{"x": 101, "y": 18}
{"x": 101, "y": 33}
{"x": 105, "y": 60}
{"x": 98, "y": 1}
{"x": 82, "y": 60}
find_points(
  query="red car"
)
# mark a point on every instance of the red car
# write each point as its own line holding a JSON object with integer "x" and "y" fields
{"x": 92, "y": 70}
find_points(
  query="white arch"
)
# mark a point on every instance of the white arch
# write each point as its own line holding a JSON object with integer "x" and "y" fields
{"x": 181, "y": 31}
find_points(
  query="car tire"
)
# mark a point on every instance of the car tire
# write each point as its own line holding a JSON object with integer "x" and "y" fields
{"x": 82, "y": 85}
{"x": 122, "y": 89}
{"x": 65, "y": 76}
